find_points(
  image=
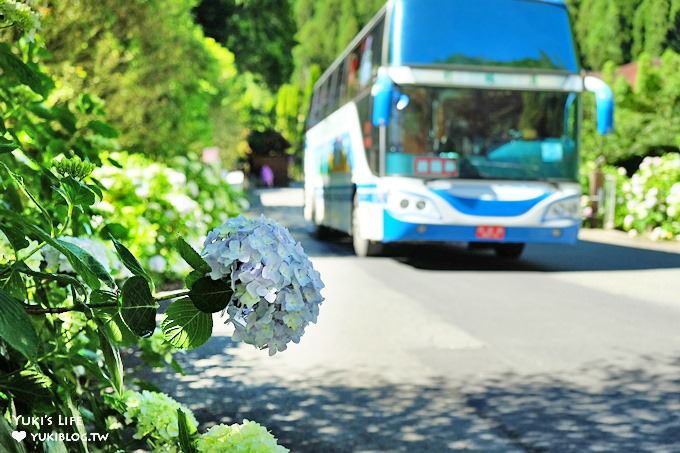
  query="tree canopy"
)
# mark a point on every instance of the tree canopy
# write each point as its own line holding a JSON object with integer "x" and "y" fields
{"x": 260, "y": 33}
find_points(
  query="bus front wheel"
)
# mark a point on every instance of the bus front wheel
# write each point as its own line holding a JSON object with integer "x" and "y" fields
{"x": 511, "y": 251}
{"x": 362, "y": 247}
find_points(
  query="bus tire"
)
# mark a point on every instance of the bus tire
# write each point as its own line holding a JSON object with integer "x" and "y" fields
{"x": 510, "y": 251}
{"x": 362, "y": 247}
{"x": 321, "y": 232}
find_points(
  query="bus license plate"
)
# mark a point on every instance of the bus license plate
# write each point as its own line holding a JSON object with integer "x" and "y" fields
{"x": 495, "y": 233}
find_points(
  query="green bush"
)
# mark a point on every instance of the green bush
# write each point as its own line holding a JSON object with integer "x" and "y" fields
{"x": 71, "y": 294}
{"x": 647, "y": 115}
{"x": 149, "y": 204}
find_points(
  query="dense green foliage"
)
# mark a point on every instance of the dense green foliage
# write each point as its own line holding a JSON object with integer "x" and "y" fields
{"x": 83, "y": 224}
{"x": 621, "y": 30}
{"x": 167, "y": 88}
{"x": 324, "y": 29}
{"x": 645, "y": 33}
{"x": 259, "y": 32}
{"x": 647, "y": 114}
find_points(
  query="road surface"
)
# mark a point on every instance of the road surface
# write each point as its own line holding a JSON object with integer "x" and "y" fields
{"x": 435, "y": 349}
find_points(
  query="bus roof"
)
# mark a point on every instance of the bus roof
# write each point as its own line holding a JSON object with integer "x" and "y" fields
{"x": 388, "y": 7}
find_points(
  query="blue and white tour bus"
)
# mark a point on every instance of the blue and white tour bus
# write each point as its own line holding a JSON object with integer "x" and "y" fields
{"x": 452, "y": 121}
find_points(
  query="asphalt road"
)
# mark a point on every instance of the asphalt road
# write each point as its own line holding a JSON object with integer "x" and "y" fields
{"x": 436, "y": 349}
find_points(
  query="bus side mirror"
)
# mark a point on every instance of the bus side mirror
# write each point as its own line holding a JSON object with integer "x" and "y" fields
{"x": 604, "y": 99}
{"x": 382, "y": 93}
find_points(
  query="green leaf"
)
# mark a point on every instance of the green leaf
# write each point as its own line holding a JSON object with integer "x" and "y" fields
{"x": 7, "y": 146}
{"x": 192, "y": 257}
{"x": 116, "y": 328}
{"x": 85, "y": 265}
{"x": 14, "y": 284}
{"x": 186, "y": 444}
{"x": 79, "y": 425}
{"x": 112, "y": 360}
{"x": 27, "y": 386}
{"x": 114, "y": 230}
{"x": 186, "y": 327}
{"x": 192, "y": 278}
{"x": 15, "y": 237}
{"x": 103, "y": 129}
{"x": 96, "y": 190}
{"x": 16, "y": 327}
{"x": 77, "y": 193}
{"x": 7, "y": 442}
{"x": 129, "y": 261}
{"x": 26, "y": 75}
{"x": 57, "y": 146}
{"x": 210, "y": 296}
{"x": 18, "y": 180}
{"x": 63, "y": 279}
{"x": 66, "y": 118}
{"x": 139, "y": 309}
{"x": 103, "y": 297}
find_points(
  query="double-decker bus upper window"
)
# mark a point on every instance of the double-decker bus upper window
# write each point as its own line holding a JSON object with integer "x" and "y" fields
{"x": 311, "y": 115}
{"x": 352, "y": 63}
{"x": 340, "y": 83}
{"x": 332, "y": 93}
{"x": 518, "y": 33}
{"x": 377, "y": 34}
{"x": 325, "y": 98}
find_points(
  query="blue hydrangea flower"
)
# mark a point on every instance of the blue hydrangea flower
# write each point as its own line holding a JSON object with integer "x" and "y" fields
{"x": 277, "y": 292}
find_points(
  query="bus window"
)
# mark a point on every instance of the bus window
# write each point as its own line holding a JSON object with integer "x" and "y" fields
{"x": 313, "y": 117}
{"x": 324, "y": 99}
{"x": 366, "y": 62}
{"x": 487, "y": 134}
{"x": 352, "y": 64}
{"x": 369, "y": 133}
{"x": 340, "y": 82}
{"x": 378, "y": 33}
{"x": 332, "y": 93}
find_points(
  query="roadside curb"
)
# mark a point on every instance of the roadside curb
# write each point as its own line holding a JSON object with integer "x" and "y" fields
{"x": 620, "y": 238}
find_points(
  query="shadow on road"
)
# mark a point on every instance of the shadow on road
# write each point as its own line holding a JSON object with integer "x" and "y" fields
{"x": 635, "y": 408}
{"x": 585, "y": 256}
{"x": 631, "y": 410}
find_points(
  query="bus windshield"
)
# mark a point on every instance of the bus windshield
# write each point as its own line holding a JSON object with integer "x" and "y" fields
{"x": 499, "y": 33}
{"x": 483, "y": 134}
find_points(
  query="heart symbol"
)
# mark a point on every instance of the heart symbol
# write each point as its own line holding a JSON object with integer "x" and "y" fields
{"x": 19, "y": 435}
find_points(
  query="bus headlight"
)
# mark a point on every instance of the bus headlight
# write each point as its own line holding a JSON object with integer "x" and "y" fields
{"x": 569, "y": 208}
{"x": 408, "y": 204}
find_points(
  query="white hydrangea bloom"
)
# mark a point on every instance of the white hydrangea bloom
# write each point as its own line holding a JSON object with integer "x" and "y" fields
{"x": 247, "y": 437}
{"x": 277, "y": 292}
{"x": 155, "y": 415}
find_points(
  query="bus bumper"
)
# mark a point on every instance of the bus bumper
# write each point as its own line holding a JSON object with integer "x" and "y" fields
{"x": 399, "y": 231}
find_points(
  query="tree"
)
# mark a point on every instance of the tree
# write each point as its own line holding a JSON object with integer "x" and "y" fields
{"x": 655, "y": 26}
{"x": 261, "y": 33}
{"x": 621, "y": 30}
{"x": 600, "y": 33}
{"x": 325, "y": 28}
{"x": 163, "y": 82}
